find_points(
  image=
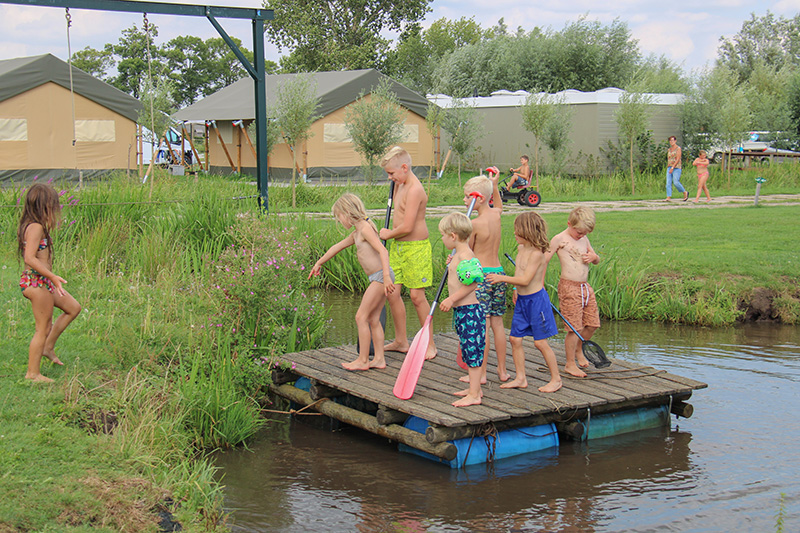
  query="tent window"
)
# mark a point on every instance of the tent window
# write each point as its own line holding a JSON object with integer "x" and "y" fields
{"x": 13, "y": 129}
{"x": 95, "y": 131}
{"x": 410, "y": 133}
{"x": 336, "y": 133}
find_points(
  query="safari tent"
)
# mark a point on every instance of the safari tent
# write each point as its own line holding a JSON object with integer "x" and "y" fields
{"x": 36, "y": 122}
{"x": 593, "y": 124}
{"x": 328, "y": 153}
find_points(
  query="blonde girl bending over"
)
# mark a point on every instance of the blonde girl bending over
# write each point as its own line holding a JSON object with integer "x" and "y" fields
{"x": 374, "y": 259}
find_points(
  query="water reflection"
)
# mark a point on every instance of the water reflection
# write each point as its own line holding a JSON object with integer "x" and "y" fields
{"x": 722, "y": 470}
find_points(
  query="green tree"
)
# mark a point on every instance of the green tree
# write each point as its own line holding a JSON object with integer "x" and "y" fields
{"x": 769, "y": 40}
{"x": 296, "y": 105}
{"x": 632, "y": 118}
{"x": 273, "y": 132}
{"x": 375, "y": 123}
{"x": 557, "y": 134}
{"x": 94, "y": 62}
{"x": 433, "y": 122}
{"x": 767, "y": 92}
{"x": 155, "y": 115}
{"x": 139, "y": 58}
{"x": 187, "y": 64}
{"x": 660, "y": 75}
{"x": 464, "y": 126}
{"x": 338, "y": 34}
{"x": 734, "y": 121}
{"x": 793, "y": 94}
{"x": 537, "y": 111}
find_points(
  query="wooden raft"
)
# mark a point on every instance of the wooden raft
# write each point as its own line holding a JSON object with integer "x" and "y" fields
{"x": 622, "y": 386}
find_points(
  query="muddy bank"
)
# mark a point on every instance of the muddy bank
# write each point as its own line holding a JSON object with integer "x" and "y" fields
{"x": 766, "y": 305}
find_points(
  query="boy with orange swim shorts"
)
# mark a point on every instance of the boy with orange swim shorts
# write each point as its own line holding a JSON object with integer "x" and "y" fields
{"x": 575, "y": 295}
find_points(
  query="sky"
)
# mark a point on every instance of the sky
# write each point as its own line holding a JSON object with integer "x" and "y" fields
{"x": 686, "y": 32}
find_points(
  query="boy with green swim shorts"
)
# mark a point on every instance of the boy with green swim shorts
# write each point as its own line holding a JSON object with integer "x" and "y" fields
{"x": 410, "y": 253}
{"x": 485, "y": 244}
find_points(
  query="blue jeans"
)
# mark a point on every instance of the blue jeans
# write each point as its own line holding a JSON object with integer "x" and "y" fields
{"x": 674, "y": 177}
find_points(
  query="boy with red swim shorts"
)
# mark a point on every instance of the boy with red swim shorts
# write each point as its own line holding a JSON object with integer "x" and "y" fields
{"x": 575, "y": 295}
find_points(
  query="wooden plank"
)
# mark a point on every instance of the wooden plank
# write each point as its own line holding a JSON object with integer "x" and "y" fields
{"x": 430, "y": 393}
{"x": 329, "y": 371}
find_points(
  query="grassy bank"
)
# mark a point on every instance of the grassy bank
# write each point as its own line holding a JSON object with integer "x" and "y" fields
{"x": 190, "y": 297}
{"x": 781, "y": 178}
{"x": 693, "y": 266}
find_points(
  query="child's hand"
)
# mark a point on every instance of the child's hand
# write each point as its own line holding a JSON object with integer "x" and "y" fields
{"x": 589, "y": 257}
{"x": 446, "y": 305}
{"x": 388, "y": 287}
{"x": 58, "y": 281}
{"x": 315, "y": 270}
{"x": 514, "y": 297}
{"x": 493, "y": 278}
{"x": 449, "y": 258}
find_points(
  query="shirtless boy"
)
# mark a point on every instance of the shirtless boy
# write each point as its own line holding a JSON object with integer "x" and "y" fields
{"x": 533, "y": 316}
{"x": 463, "y": 274}
{"x": 575, "y": 295}
{"x": 410, "y": 254}
{"x": 485, "y": 244}
{"x": 521, "y": 174}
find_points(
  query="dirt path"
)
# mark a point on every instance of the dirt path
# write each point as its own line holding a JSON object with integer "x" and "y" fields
{"x": 626, "y": 205}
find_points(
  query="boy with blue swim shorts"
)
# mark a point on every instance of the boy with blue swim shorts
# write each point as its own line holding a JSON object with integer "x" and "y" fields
{"x": 463, "y": 274}
{"x": 485, "y": 244}
{"x": 532, "y": 314}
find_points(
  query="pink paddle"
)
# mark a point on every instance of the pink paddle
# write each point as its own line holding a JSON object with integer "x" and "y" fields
{"x": 412, "y": 365}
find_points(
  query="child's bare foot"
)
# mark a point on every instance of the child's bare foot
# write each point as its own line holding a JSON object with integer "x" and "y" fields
{"x": 397, "y": 345}
{"x": 39, "y": 378}
{"x": 582, "y": 361}
{"x": 518, "y": 383}
{"x": 467, "y": 401}
{"x": 377, "y": 362}
{"x": 356, "y": 365}
{"x": 53, "y": 359}
{"x": 503, "y": 376}
{"x": 465, "y": 379}
{"x": 551, "y": 387}
{"x": 465, "y": 392}
{"x": 574, "y": 371}
{"x": 431, "y": 353}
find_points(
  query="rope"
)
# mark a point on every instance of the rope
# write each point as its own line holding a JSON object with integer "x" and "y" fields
{"x": 72, "y": 92}
{"x": 146, "y": 25}
{"x": 489, "y": 433}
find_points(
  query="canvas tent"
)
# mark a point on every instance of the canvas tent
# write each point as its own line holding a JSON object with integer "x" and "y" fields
{"x": 593, "y": 124}
{"x": 328, "y": 153}
{"x": 36, "y": 128}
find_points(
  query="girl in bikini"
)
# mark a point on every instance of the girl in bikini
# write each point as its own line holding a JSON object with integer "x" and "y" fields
{"x": 374, "y": 259}
{"x": 44, "y": 289}
{"x": 702, "y": 176}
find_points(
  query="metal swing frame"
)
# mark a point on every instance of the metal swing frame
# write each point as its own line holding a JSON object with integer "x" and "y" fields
{"x": 212, "y": 13}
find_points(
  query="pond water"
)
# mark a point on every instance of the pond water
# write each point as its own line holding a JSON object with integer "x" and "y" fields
{"x": 731, "y": 467}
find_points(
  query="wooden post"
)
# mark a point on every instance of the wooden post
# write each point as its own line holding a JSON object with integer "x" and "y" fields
{"x": 249, "y": 142}
{"x": 141, "y": 150}
{"x": 224, "y": 148}
{"x": 318, "y": 390}
{"x": 386, "y": 416}
{"x": 208, "y": 149}
{"x": 445, "y": 451}
{"x": 305, "y": 161}
{"x": 682, "y": 409}
{"x": 194, "y": 150}
{"x": 239, "y": 150}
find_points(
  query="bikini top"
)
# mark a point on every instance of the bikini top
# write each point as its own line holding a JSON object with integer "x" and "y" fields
{"x": 42, "y": 244}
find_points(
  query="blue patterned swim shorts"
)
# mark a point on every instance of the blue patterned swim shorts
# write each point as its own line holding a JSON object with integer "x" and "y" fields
{"x": 492, "y": 297}
{"x": 470, "y": 325}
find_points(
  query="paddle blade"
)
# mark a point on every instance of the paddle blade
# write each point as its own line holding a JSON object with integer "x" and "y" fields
{"x": 412, "y": 365}
{"x": 460, "y": 359}
{"x": 595, "y": 354}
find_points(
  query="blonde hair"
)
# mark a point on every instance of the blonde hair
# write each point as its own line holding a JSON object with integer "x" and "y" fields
{"x": 532, "y": 228}
{"x": 481, "y": 185}
{"x": 397, "y": 155}
{"x": 352, "y": 207}
{"x": 457, "y": 223}
{"x": 582, "y": 219}
{"x": 703, "y": 154}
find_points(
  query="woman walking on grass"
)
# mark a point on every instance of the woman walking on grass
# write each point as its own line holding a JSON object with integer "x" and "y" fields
{"x": 44, "y": 289}
{"x": 674, "y": 169}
